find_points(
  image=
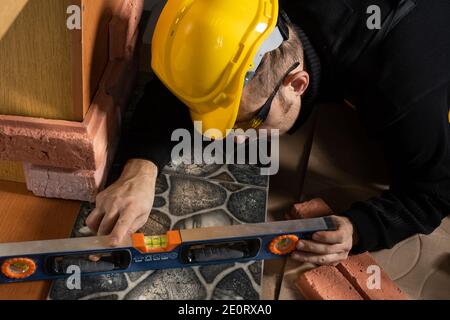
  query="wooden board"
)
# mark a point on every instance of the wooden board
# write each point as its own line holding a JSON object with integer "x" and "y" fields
{"x": 12, "y": 171}
{"x": 9, "y": 10}
{"x": 36, "y": 63}
{"x": 24, "y": 217}
{"x": 52, "y": 72}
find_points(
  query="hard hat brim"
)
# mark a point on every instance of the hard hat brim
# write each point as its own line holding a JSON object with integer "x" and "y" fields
{"x": 217, "y": 123}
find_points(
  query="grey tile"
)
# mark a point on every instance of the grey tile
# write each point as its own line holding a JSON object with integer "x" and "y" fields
{"x": 208, "y": 219}
{"x": 210, "y": 273}
{"x": 233, "y": 187}
{"x": 235, "y": 286}
{"x": 193, "y": 170}
{"x": 90, "y": 285}
{"x": 85, "y": 210}
{"x": 159, "y": 202}
{"x": 189, "y": 195}
{"x": 135, "y": 276}
{"x": 224, "y": 176}
{"x": 248, "y": 205}
{"x": 237, "y": 174}
{"x": 256, "y": 271}
{"x": 248, "y": 175}
{"x": 158, "y": 224}
{"x": 180, "y": 284}
{"x": 161, "y": 184}
{"x": 189, "y": 202}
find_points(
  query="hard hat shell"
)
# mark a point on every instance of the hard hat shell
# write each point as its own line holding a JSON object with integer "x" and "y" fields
{"x": 202, "y": 50}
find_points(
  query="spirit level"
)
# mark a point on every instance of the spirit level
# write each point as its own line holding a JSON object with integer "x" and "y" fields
{"x": 49, "y": 260}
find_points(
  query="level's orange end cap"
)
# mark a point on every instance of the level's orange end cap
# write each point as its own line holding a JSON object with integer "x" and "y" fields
{"x": 283, "y": 245}
{"x": 18, "y": 268}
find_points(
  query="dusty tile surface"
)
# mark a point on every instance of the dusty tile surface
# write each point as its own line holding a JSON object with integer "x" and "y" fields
{"x": 186, "y": 201}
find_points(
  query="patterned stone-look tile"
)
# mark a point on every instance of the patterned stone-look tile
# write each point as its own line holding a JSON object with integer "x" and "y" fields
{"x": 188, "y": 197}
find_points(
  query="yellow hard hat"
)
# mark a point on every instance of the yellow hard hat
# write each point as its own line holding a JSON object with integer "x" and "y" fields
{"x": 205, "y": 50}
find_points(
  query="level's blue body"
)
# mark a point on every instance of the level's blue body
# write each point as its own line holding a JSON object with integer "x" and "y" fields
{"x": 206, "y": 246}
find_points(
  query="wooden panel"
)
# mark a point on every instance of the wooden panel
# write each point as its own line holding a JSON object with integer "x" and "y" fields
{"x": 52, "y": 72}
{"x": 12, "y": 171}
{"x": 9, "y": 10}
{"x": 96, "y": 17}
{"x": 24, "y": 217}
{"x": 35, "y": 63}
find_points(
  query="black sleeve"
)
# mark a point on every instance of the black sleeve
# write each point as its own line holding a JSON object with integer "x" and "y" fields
{"x": 418, "y": 153}
{"x": 156, "y": 117}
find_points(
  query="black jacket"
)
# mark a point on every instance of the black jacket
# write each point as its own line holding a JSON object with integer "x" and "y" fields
{"x": 398, "y": 77}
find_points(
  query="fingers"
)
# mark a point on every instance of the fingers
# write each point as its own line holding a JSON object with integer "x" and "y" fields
{"x": 343, "y": 234}
{"x": 320, "y": 248}
{"x": 139, "y": 223}
{"x": 327, "y": 259}
{"x": 125, "y": 206}
{"x": 108, "y": 222}
{"x": 327, "y": 247}
{"x": 127, "y": 223}
{"x": 94, "y": 258}
{"x": 94, "y": 219}
{"x": 329, "y": 237}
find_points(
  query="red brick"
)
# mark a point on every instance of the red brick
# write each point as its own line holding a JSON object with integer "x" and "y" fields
{"x": 117, "y": 76}
{"x": 311, "y": 209}
{"x": 123, "y": 29}
{"x": 82, "y": 185}
{"x": 326, "y": 283}
{"x": 46, "y": 142}
{"x": 355, "y": 269}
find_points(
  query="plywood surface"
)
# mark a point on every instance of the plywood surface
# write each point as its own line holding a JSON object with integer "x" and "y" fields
{"x": 47, "y": 70}
{"x": 35, "y": 63}
{"x": 9, "y": 11}
{"x": 24, "y": 217}
{"x": 12, "y": 171}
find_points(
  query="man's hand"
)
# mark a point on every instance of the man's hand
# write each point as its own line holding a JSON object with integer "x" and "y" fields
{"x": 327, "y": 247}
{"x": 125, "y": 206}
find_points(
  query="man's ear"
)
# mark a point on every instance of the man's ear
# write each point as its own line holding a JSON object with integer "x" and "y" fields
{"x": 297, "y": 81}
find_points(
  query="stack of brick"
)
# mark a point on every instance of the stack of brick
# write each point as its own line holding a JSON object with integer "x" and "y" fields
{"x": 357, "y": 278}
{"x": 70, "y": 160}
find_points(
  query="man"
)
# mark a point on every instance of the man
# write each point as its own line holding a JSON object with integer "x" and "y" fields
{"x": 397, "y": 76}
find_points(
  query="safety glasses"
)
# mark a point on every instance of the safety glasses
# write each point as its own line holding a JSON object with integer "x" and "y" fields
{"x": 261, "y": 117}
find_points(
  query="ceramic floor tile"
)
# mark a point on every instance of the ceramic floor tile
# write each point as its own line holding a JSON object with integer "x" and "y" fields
{"x": 181, "y": 202}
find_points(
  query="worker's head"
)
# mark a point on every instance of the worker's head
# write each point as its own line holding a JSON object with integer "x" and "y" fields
{"x": 278, "y": 85}
{"x": 233, "y": 63}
